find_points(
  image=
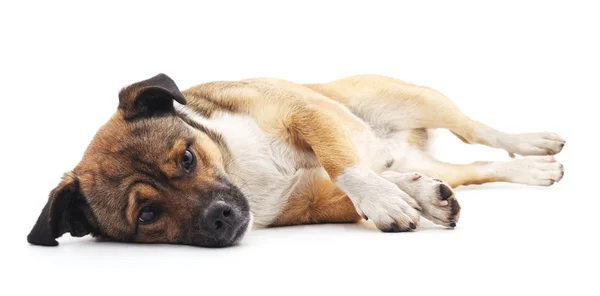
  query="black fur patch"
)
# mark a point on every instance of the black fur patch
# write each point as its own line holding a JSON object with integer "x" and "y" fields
{"x": 65, "y": 211}
{"x": 149, "y": 98}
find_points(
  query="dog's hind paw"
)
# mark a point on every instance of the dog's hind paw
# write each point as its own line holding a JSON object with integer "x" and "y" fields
{"x": 533, "y": 143}
{"x": 530, "y": 170}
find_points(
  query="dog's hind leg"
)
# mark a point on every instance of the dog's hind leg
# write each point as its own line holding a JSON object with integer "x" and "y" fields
{"x": 389, "y": 104}
{"x": 530, "y": 170}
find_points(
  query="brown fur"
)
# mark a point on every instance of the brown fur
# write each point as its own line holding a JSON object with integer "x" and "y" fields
{"x": 112, "y": 164}
{"x": 120, "y": 172}
{"x": 330, "y": 144}
{"x": 319, "y": 202}
{"x": 135, "y": 158}
{"x": 299, "y": 115}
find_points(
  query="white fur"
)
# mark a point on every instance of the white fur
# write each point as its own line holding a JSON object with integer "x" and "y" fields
{"x": 531, "y": 170}
{"x": 262, "y": 167}
{"x": 522, "y": 144}
{"x": 426, "y": 191}
{"x": 377, "y": 198}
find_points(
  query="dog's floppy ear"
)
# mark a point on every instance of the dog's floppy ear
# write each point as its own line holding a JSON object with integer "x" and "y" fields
{"x": 150, "y": 97}
{"x": 65, "y": 211}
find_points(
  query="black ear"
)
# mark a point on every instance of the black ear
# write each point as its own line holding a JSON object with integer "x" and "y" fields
{"x": 65, "y": 211}
{"x": 150, "y": 97}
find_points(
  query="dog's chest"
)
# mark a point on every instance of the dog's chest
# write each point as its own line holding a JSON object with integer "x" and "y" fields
{"x": 264, "y": 168}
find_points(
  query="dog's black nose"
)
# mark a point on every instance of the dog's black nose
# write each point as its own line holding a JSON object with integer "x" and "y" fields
{"x": 220, "y": 224}
{"x": 220, "y": 218}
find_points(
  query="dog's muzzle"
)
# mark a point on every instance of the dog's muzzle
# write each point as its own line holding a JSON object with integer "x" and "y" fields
{"x": 221, "y": 225}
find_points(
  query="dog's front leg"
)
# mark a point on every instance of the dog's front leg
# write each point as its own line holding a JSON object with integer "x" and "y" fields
{"x": 331, "y": 139}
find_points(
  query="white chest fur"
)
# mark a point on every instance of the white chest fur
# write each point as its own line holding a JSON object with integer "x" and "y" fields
{"x": 261, "y": 166}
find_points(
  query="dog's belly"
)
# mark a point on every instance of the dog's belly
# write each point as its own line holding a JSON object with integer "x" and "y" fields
{"x": 399, "y": 150}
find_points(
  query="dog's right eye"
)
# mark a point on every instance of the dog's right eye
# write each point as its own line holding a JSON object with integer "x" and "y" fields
{"x": 189, "y": 160}
{"x": 149, "y": 214}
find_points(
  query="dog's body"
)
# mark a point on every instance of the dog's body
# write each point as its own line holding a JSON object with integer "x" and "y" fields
{"x": 280, "y": 153}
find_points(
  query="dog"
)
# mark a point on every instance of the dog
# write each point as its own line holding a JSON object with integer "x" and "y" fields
{"x": 203, "y": 166}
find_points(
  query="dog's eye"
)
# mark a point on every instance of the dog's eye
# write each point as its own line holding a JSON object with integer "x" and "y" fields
{"x": 149, "y": 214}
{"x": 189, "y": 160}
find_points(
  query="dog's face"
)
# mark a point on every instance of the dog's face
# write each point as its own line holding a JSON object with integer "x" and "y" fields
{"x": 148, "y": 176}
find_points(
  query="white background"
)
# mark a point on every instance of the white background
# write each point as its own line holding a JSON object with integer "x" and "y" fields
{"x": 519, "y": 67}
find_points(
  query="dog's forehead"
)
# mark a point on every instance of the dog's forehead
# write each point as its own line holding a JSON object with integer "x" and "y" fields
{"x": 123, "y": 149}
{"x": 142, "y": 139}
{"x": 148, "y": 134}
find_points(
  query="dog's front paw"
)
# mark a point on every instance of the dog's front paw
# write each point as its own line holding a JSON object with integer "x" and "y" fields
{"x": 436, "y": 198}
{"x": 392, "y": 212}
{"x": 534, "y": 143}
{"x": 380, "y": 201}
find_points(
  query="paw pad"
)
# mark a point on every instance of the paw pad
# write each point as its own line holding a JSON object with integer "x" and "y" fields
{"x": 454, "y": 208}
{"x": 445, "y": 192}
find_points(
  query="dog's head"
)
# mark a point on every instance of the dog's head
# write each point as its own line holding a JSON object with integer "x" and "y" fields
{"x": 149, "y": 176}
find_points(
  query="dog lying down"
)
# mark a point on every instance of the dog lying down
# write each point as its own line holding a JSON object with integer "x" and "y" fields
{"x": 204, "y": 166}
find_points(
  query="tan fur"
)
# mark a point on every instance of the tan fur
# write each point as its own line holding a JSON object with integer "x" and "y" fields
{"x": 418, "y": 138}
{"x": 304, "y": 115}
{"x": 303, "y": 118}
{"x": 327, "y": 137}
{"x": 318, "y": 202}
{"x": 457, "y": 174}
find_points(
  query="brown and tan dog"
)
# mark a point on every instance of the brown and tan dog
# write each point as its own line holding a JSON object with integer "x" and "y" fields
{"x": 203, "y": 166}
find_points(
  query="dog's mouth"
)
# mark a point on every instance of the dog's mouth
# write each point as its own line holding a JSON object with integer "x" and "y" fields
{"x": 244, "y": 229}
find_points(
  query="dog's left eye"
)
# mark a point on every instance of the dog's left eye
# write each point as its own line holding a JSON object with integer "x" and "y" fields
{"x": 189, "y": 160}
{"x": 149, "y": 214}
